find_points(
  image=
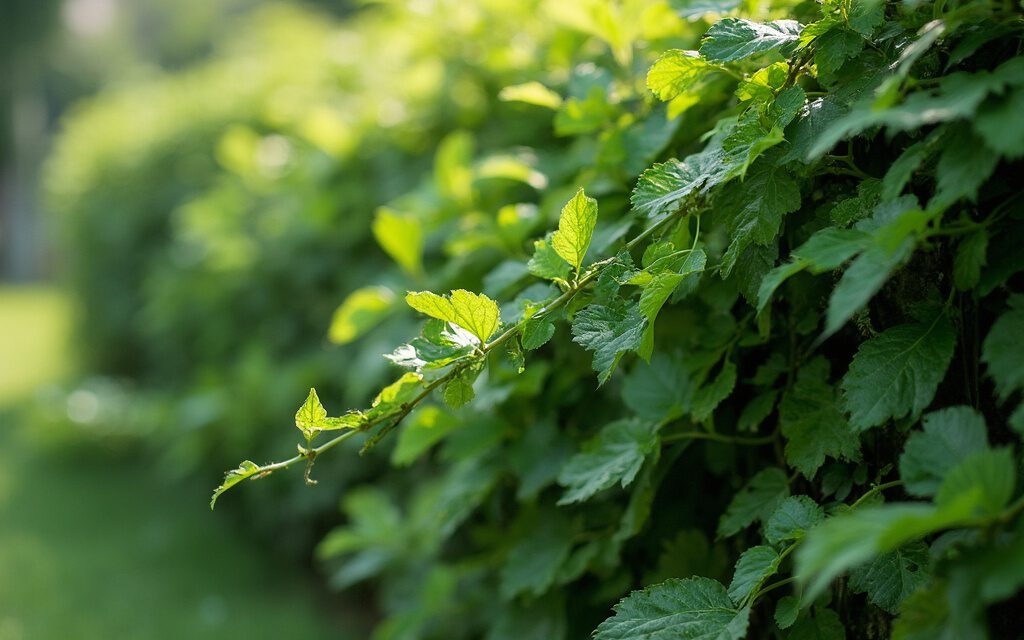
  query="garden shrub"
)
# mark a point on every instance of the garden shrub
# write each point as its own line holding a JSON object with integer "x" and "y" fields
{"x": 734, "y": 348}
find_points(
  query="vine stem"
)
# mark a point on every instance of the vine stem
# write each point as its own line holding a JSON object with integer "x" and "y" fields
{"x": 393, "y": 419}
{"x": 719, "y": 437}
{"x": 874, "y": 491}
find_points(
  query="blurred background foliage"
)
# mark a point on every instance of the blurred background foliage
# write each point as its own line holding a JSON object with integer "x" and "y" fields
{"x": 216, "y": 177}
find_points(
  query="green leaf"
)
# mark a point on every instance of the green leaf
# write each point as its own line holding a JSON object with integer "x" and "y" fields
{"x": 536, "y": 333}
{"x": 575, "y": 228}
{"x": 710, "y": 395}
{"x": 826, "y": 250}
{"x": 427, "y": 426}
{"x": 531, "y": 93}
{"x": 658, "y": 290}
{"x": 812, "y": 422}
{"x": 401, "y": 237}
{"x": 362, "y": 310}
{"x": 890, "y": 578}
{"x": 474, "y": 312}
{"x": 396, "y": 394}
{"x": 546, "y": 263}
{"x": 757, "y": 500}
{"x": 786, "y": 611}
{"x": 998, "y": 123}
{"x": 439, "y": 345}
{"x": 795, "y": 516}
{"x": 658, "y": 391}
{"x": 987, "y": 476}
{"x": 833, "y": 48}
{"x": 311, "y": 417}
{"x": 821, "y": 623}
{"x": 755, "y": 565}
{"x": 458, "y": 391}
{"x": 753, "y": 210}
{"x": 970, "y": 259}
{"x": 897, "y": 372}
{"x": 608, "y": 331}
{"x": 733, "y": 39}
{"x": 615, "y": 455}
{"x": 964, "y": 166}
{"x": 851, "y": 539}
{"x": 244, "y": 471}
{"x": 534, "y": 561}
{"x": 948, "y": 437}
{"x": 677, "y": 72}
{"x": 690, "y": 609}
{"x": 1003, "y": 349}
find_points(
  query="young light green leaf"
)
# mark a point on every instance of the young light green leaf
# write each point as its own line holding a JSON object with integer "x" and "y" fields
{"x": 311, "y": 417}
{"x": 608, "y": 331}
{"x": 575, "y": 228}
{"x": 691, "y": 609}
{"x": 755, "y": 565}
{"x": 536, "y": 333}
{"x": 531, "y": 93}
{"x": 474, "y": 312}
{"x": 401, "y": 237}
{"x": 733, "y": 39}
{"x": 757, "y": 500}
{"x": 812, "y": 423}
{"x": 897, "y": 372}
{"x": 949, "y": 436}
{"x": 658, "y": 290}
{"x": 362, "y": 310}
{"x": 677, "y": 72}
{"x": 1003, "y": 349}
{"x": 795, "y": 516}
{"x": 615, "y": 455}
{"x": 244, "y": 471}
{"x": 458, "y": 392}
{"x": 392, "y": 397}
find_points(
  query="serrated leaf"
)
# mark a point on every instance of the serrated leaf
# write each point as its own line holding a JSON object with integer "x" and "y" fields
{"x": 897, "y": 372}
{"x": 853, "y": 538}
{"x": 964, "y": 166}
{"x": 786, "y": 611}
{"x": 362, "y": 310}
{"x": 677, "y": 72}
{"x": 753, "y": 210}
{"x": 458, "y": 391}
{"x": 474, "y": 312}
{"x": 575, "y": 228}
{"x": 615, "y": 455}
{"x": 393, "y": 396}
{"x": 733, "y": 39}
{"x": 755, "y": 565}
{"x": 795, "y": 516}
{"x": 690, "y": 609}
{"x": 401, "y": 237}
{"x": 311, "y": 416}
{"x": 659, "y": 289}
{"x": 890, "y": 578}
{"x": 439, "y": 346}
{"x": 608, "y": 331}
{"x": 812, "y": 422}
{"x": 948, "y": 437}
{"x": 244, "y": 471}
{"x": 536, "y": 333}
{"x": 1003, "y": 349}
{"x": 757, "y": 500}
{"x": 546, "y": 263}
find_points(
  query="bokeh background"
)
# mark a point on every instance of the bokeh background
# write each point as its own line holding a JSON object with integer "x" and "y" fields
{"x": 188, "y": 191}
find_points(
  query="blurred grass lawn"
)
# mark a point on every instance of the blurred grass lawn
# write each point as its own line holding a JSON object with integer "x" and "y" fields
{"x": 97, "y": 547}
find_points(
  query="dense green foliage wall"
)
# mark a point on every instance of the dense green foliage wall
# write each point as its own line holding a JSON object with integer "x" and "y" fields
{"x": 735, "y": 314}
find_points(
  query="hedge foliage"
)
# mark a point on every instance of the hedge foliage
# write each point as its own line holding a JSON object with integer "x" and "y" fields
{"x": 724, "y": 317}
